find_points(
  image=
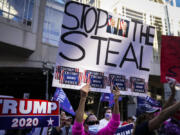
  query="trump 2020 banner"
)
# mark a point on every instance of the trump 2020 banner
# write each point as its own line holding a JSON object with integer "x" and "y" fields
{"x": 125, "y": 130}
{"x": 107, "y": 48}
{"x": 170, "y": 58}
{"x": 28, "y": 113}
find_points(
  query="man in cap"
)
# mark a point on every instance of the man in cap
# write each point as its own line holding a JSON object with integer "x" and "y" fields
{"x": 67, "y": 129}
{"x": 147, "y": 121}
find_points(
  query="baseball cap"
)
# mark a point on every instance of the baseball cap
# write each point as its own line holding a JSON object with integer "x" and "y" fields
{"x": 146, "y": 108}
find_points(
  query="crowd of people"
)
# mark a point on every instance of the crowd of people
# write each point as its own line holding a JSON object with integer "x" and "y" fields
{"x": 150, "y": 120}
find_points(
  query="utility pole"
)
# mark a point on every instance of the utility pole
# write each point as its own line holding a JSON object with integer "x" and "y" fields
{"x": 46, "y": 72}
{"x": 47, "y": 83}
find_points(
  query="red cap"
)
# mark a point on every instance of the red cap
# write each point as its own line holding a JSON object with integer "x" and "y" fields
{"x": 124, "y": 123}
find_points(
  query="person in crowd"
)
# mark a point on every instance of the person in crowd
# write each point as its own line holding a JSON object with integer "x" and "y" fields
{"x": 63, "y": 114}
{"x": 172, "y": 125}
{"x": 128, "y": 121}
{"x": 107, "y": 116}
{"x": 67, "y": 129}
{"x": 147, "y": 122}
{"x": 124, "y": 123}
{"x": 91, "y": 123}
{"x": 57, "y": 130}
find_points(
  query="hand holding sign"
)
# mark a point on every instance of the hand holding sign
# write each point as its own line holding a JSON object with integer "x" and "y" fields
{"x": 115, "y": 90}
{"x": 85, "y": 89}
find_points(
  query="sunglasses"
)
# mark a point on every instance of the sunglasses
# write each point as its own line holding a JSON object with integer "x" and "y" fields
{"x": 92, "y": 122}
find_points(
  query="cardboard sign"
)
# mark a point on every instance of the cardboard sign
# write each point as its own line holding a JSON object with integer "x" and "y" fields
{"x": 170, "y": 58}
{"x": 95, "y": 42}
{"x": 28, "y": 113}
{"x": 125, "y": 130}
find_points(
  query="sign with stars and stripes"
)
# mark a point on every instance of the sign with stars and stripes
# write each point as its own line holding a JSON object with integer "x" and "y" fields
{"x": 28, "y": 113}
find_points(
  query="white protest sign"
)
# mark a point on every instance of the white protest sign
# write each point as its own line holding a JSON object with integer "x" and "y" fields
{"x": 106, "y": 48}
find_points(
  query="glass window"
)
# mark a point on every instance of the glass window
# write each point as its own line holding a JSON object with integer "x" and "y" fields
{"x": 53, "y": 21}
{"x": 58, "y": 1}
{"x": 17, "y": 10}
{"x": 52, "y": 26}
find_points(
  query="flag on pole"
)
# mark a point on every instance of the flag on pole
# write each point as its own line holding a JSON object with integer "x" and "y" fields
{"x": 64, "y": 103}
{"x": 147, "y": 104}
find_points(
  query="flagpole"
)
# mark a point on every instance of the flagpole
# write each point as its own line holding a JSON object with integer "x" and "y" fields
{"x": 98, "y": 108}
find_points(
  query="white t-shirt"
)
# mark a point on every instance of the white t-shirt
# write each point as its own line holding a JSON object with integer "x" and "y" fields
{"x": 103, "y": 123}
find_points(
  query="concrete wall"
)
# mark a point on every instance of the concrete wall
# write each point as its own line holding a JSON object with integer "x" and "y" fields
{"x": 19, "y": 34}
{"x": 21, "y": 46}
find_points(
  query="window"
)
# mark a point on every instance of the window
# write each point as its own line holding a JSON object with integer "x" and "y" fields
{"x": 58, "y": 1}
{"x": 52, "y": 26}
{"x": 178, "y": 33}
{"x": 53, "y": 21}
{"x": 17, "y": 10}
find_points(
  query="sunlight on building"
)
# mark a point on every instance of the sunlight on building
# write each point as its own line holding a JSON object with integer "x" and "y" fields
{"x": 8, "y": 10}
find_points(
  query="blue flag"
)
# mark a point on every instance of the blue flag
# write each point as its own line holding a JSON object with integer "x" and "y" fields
{"x": 109, "y": 97}
{"x": 148, "y": 100}
{"x": 147, "y": 104}
{"x": 153, "y": 102}
{"x": 64, "y": 103}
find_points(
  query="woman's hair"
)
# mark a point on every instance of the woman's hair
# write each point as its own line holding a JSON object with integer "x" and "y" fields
{"x": 86, "y": 120}
{"x": 142, "y": 118}
{"x": 107, "y": 108}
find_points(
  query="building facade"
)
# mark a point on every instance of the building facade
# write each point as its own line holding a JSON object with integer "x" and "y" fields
{"x": 24, "y": 58}
{"x": 29, "y": 38}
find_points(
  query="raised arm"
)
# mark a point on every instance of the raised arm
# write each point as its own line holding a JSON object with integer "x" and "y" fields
{"x": 170, "y": 100}
{"x": 116, "y": 93}
{"x": 113, "y": 124}
{"x": 81, "y": 107}
{"x": 164, "y": 114}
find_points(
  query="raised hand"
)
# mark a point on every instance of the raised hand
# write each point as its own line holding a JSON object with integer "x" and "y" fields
{"x": 80, "y": 111}
{"x": 85, "y": 90}
{"x": 173, "y": 90}
{"x": 115, "y": 90}
{"x": 116, "y": 93}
